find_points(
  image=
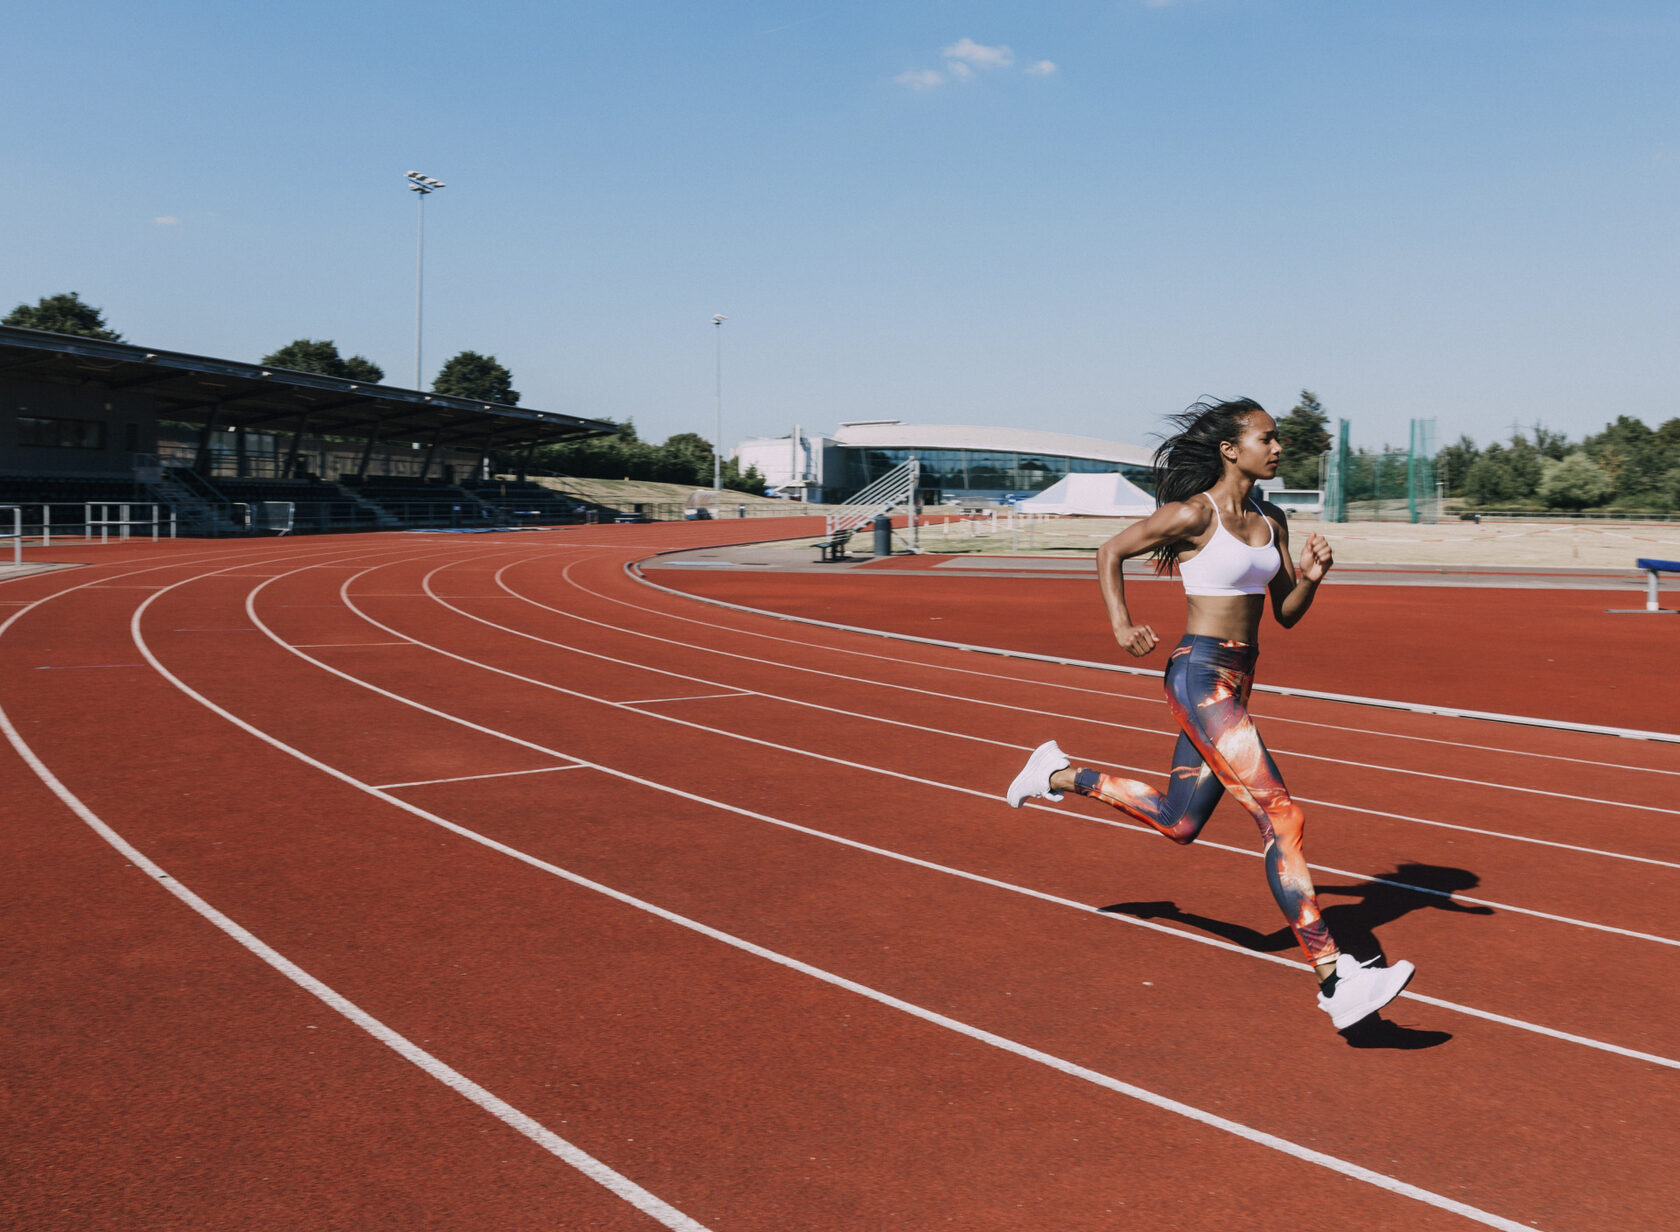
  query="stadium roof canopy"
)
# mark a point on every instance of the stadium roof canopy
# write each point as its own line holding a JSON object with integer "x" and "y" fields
{"x": 892, "y": 434}
{"x": 193, "y": 388}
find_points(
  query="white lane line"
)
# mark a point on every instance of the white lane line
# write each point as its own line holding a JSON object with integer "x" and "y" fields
{"x": 1353, "y": 699}
{"x": 348, "y": 645}
{"x": 632, "y": 571}
{"x": 83, "y": 667}
{"x": 473, "y": 778}
{"x": 605, "y": 1175}
{"x": 529, "y": 1127}
{"x": 250, "y": 608}
{"x": 1022, "y": 709}
{"x": 875, "y": 718}
{"x": 699, "y": 697}
{"x": 617, "y": 1183}
{"x": 945, "y": 786}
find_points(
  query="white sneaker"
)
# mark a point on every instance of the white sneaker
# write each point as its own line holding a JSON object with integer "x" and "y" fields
{"x": 1034, "y": 779}
{"x": 1362, "y": 989}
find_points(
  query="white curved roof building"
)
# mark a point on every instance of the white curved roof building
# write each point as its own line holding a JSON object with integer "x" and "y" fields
{"x": 1026, "y": 442}
{"x": 965, "y": 461}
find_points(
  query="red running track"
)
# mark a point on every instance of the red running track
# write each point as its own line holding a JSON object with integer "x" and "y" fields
{"x": 434, "y": 881}
{"x": 1558, "y": 654}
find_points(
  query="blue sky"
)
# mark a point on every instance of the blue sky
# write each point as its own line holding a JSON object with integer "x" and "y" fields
{"x": 1079, "y": 218}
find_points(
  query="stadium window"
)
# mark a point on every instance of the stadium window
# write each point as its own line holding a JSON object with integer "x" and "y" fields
{"x": 43, "y": 433}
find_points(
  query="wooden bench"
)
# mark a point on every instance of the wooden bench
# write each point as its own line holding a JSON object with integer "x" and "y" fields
{"x": 834, "y": 547}
{"x": 1653, "y": 570}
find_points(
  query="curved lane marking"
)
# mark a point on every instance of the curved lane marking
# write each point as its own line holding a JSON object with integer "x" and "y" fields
{"x": 631, "y": 569}
{"x": 1519, "y": 1024}
{"x": 1354, "y": 699}
{"x": 1237, "y": 1129}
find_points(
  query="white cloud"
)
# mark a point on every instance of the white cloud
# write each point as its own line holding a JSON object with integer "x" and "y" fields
{"x": 959, "y": 71}
{"x": 979, "y": 55}
{"x": 1041, "y": 68}
{"x": 168, "y": 220}
{"x": 921, "y": 79}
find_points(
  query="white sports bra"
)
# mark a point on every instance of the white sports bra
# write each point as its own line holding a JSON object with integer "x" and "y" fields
{"x": 1228, "y": 566}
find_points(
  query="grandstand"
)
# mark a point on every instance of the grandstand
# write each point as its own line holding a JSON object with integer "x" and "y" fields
{"x": 222, "y": 447}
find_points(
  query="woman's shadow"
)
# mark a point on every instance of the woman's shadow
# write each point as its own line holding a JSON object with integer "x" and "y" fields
{"x": 1410, "y": 887}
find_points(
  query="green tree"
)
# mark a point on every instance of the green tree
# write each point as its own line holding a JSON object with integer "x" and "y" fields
{"x": 1574, "y": 483}
{"x": 361, "y": 368}
{"x": 1668, "y": 441}
{"x": 471, "y": 375}
{"x": 623, "y": 455}
{"x": 1630, "y": 453}
{"x": 1489, "y": 481}
{"x": 1304, "y": 435}
{"x": 1523, "y": 461}
{"x": 308, "y": 355}
{"x": 62, "y": 314}
{"x": 1670, "y": 487}
{"x": 737, "y": 480}
{"x": 685, "y": 458}
{"x": 1551, "y": 444}
{"x": 1453, "y": 464}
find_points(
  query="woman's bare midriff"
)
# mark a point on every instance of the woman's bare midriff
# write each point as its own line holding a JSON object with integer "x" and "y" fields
{"x": 1236, "y": 618}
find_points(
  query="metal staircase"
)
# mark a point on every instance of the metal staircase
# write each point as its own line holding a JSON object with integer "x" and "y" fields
{"x": 897, "y": 487}
{"x": 199, "y": 509}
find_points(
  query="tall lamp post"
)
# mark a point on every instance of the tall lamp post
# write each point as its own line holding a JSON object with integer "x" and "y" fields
{"x": 422, "y": 186}
{"x": 717, "y": 440}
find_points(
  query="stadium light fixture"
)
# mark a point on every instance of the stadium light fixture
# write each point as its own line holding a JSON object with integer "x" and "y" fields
{"x": 422, "y": 186}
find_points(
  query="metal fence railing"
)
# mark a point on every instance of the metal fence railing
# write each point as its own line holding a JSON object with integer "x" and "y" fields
{"x": 125, "y": 519}
{"x": 45, "y": 522}
{"x": 90, "y": 521}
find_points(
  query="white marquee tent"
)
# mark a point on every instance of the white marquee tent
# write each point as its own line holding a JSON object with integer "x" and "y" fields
{"x": 1109, "y": 495}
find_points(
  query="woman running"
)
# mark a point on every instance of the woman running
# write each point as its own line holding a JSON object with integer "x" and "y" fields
{"x": 1231, "y": 550}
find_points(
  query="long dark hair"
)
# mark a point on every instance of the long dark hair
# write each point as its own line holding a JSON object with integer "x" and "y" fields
{"x": 1188, "y": 461}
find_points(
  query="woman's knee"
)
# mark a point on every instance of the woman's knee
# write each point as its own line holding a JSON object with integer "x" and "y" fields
{"x": 1289, "y": 824}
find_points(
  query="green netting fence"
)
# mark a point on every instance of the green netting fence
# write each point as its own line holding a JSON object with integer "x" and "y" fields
{"x": 1386, "y": 485}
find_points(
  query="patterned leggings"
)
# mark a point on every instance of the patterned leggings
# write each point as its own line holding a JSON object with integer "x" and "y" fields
{"x": 1219, "y": 751}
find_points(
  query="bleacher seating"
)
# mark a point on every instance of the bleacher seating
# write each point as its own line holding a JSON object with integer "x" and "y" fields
{"x": 417, "y": 502}
{"x": 60, "y": 501}
{"x": 523, "y": 502}
{"x": 316, "y": 506}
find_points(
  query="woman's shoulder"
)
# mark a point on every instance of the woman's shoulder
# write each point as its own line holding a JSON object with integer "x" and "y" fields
{"x": 1188, "y": 516}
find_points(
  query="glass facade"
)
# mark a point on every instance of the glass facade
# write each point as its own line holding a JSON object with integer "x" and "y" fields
{"x": 981, "y": 474}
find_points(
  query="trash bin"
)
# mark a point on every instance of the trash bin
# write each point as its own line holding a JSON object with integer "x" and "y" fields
{"x": 883, "y": 535}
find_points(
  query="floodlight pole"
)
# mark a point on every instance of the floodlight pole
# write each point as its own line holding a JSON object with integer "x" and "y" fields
{"x": 717, "y": 406}
{"x": 422, "y": 186}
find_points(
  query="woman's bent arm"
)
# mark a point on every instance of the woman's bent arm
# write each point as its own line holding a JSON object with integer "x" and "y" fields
{"x": 1168, "y": 524}
{"x": 1292, "y": 593}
